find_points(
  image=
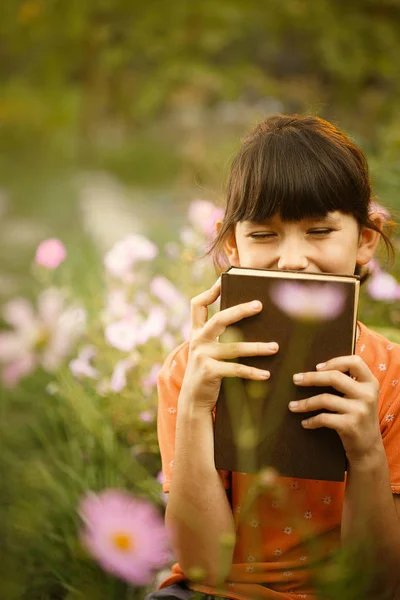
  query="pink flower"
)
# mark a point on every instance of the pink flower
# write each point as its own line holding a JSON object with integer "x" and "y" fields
{"x": 50, "y": 253}
{"x": 17, "y": 370}
{"x": 168, "y": 341}
{"x": 186, "y": 330}
{"x": 150, "y": 381}
{"x": 81, "y": 367}
{"x": 118, "y": 378}
{"x": 203, "y": 215}
{"x": 317, "y": 302}
{"x": 120, "y": 260}
{"x": 166, "y": 292}
{"x": 43, "y": 338}
{"x": 383, "y": 286}
{"x": 125, "y": 535}
{"x": 381, "y": 210}
{"x": 117, "y": 306}
{"x": 146, "y": 416}
{"x": 153, "y": 326}
{"x": 123, "y": 334}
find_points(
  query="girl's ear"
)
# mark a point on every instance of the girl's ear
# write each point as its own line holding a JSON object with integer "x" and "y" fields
{"x": 369, "y": 240}
{"x": 230, "y": 247}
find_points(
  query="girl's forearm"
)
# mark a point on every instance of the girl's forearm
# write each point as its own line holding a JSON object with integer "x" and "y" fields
{"x": 198, "y": 514}
{"x": 370, "y": 521}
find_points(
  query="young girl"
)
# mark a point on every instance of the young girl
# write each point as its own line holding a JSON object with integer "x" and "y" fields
{"x": 298, "y": 198}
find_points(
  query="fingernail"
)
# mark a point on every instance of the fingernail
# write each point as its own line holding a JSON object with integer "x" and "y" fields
{"x": 304, "y": 423}
{"x": 293, "y": 404}
{"x": 273, "y": 346}
{"x": 265, "y": 374}
{"x": 321, "y": 365}
{"x": 298, "y": 377}
{"x": 256, "y": 304}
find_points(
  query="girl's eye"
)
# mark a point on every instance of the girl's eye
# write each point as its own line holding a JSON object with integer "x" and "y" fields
{"x": 320, "y": 231}
{"x": 262, "y": 236}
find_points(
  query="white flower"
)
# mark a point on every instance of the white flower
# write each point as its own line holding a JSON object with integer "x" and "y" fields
{"x": 123, "y": 334}
{"x": 150, "y": 381}
{"x": 81, "y": 367}
{"x": 117, "y": 306}
{"x": 308, "y": 514}
{"x": 382, "y": 367}
{"x": 120, "y": 260}
{"x": 249, "y": 568}
{"x": 153, "y": 326}
{"x": 255, "y": 523}
{"x": 278, "y": 552}
{"x": 327, "y": 499}
{"x": 118, "y": 378}
{"x": 389, "y": 418}
{"x": 250, "y": 558}
{"x": 166, "y": 292}
{"x": 168, "y": 341}
{"x": 43, "y": 338}
{"x": 394, "y": 382}
{"x": 288, "y": 530}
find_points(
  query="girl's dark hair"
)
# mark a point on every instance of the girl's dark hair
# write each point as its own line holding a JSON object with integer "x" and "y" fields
{"x": 297, "y": 167}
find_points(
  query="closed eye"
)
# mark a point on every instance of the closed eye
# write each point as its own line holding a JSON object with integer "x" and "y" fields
{"x": 320, "y": 231}
{"x": 261, "y": 236}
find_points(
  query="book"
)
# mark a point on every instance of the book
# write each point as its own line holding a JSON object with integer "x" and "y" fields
{"x": 313, "y": 318}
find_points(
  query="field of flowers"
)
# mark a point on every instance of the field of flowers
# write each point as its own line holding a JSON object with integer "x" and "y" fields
{"x": 81, "y": 504}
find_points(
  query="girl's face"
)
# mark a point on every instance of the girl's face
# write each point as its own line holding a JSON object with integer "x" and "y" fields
{"x": 331, "y": 244}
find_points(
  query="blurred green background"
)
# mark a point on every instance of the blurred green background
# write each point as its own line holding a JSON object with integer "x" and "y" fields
{"x": 114, "y": 116}
{"x": 141, "y": 106}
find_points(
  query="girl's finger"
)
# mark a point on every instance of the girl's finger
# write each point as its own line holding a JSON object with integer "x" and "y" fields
{"x": 330, "y": 402}
{"x": 330, "y": 420}
{"x": 200, "y": 304}
{"x": 341, "y": 382}
{"x": 220, "y": 321}
{"x": 227, "y": 351}
{"x": 349, "y": 364}
{"x": 233, "y": 369}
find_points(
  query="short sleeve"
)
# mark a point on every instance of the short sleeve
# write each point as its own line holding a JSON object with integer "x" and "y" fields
{"x": 169, "y": 386}
{"x": 383, "y": 358}
{"x": 390, "y": 430}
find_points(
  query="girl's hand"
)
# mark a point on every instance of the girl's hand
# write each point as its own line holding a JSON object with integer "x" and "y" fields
{"x": 206, "y": 366}
{"x": 355, "y": 416}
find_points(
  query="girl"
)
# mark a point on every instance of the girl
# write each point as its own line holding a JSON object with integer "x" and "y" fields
{"x": 298, "y": 198}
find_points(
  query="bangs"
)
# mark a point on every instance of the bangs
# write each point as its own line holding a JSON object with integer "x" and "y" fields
{"x": 294, "y": 176}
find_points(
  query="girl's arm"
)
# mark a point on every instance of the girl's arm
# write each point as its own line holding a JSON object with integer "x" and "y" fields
{"x": 370, "y": 524}
{"x": 198, "y": 514}
{"x": 369, "y": 513}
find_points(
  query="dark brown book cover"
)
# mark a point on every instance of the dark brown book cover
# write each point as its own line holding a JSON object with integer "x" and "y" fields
{"x": 254, "y": 427}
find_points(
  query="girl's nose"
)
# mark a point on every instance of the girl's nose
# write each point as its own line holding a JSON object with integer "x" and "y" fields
{"x": 292, "y": 260}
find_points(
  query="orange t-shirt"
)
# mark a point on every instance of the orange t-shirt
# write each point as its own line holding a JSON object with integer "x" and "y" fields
{"x": 272, "y": 557}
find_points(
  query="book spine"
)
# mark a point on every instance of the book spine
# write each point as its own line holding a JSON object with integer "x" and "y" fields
{"x": 224, "y": 290}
